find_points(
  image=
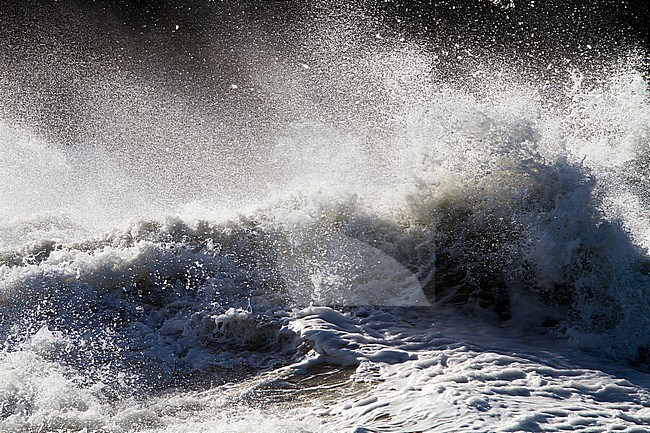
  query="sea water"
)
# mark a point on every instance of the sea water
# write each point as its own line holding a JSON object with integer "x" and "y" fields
{"x": 396, "y": 250}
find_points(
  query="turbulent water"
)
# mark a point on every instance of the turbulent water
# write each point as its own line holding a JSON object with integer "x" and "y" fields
{"x": 341, "y": 224}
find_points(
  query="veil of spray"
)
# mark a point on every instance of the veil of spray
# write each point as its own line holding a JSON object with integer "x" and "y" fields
{"x": 194, "y": 193}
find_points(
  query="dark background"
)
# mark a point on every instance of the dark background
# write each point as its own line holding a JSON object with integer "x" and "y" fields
{"x": 51, "y": 47}
{"x": 166, "y": 85}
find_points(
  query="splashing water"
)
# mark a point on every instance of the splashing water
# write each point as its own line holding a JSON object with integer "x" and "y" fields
{"x": 349, "y": 228}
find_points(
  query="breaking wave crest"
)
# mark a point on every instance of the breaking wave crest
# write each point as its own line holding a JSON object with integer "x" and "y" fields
{"x": 505, "y": 199}
{"x": 512, "y": 208}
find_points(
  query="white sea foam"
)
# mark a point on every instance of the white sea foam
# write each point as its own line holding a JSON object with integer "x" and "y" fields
{"x": 447, "y": 259}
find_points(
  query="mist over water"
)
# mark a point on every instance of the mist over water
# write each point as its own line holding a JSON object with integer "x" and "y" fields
{"x": 205, "y": 205}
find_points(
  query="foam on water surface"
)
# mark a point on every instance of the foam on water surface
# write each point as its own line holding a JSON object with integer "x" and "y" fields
{"x": 371, "y": 238}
